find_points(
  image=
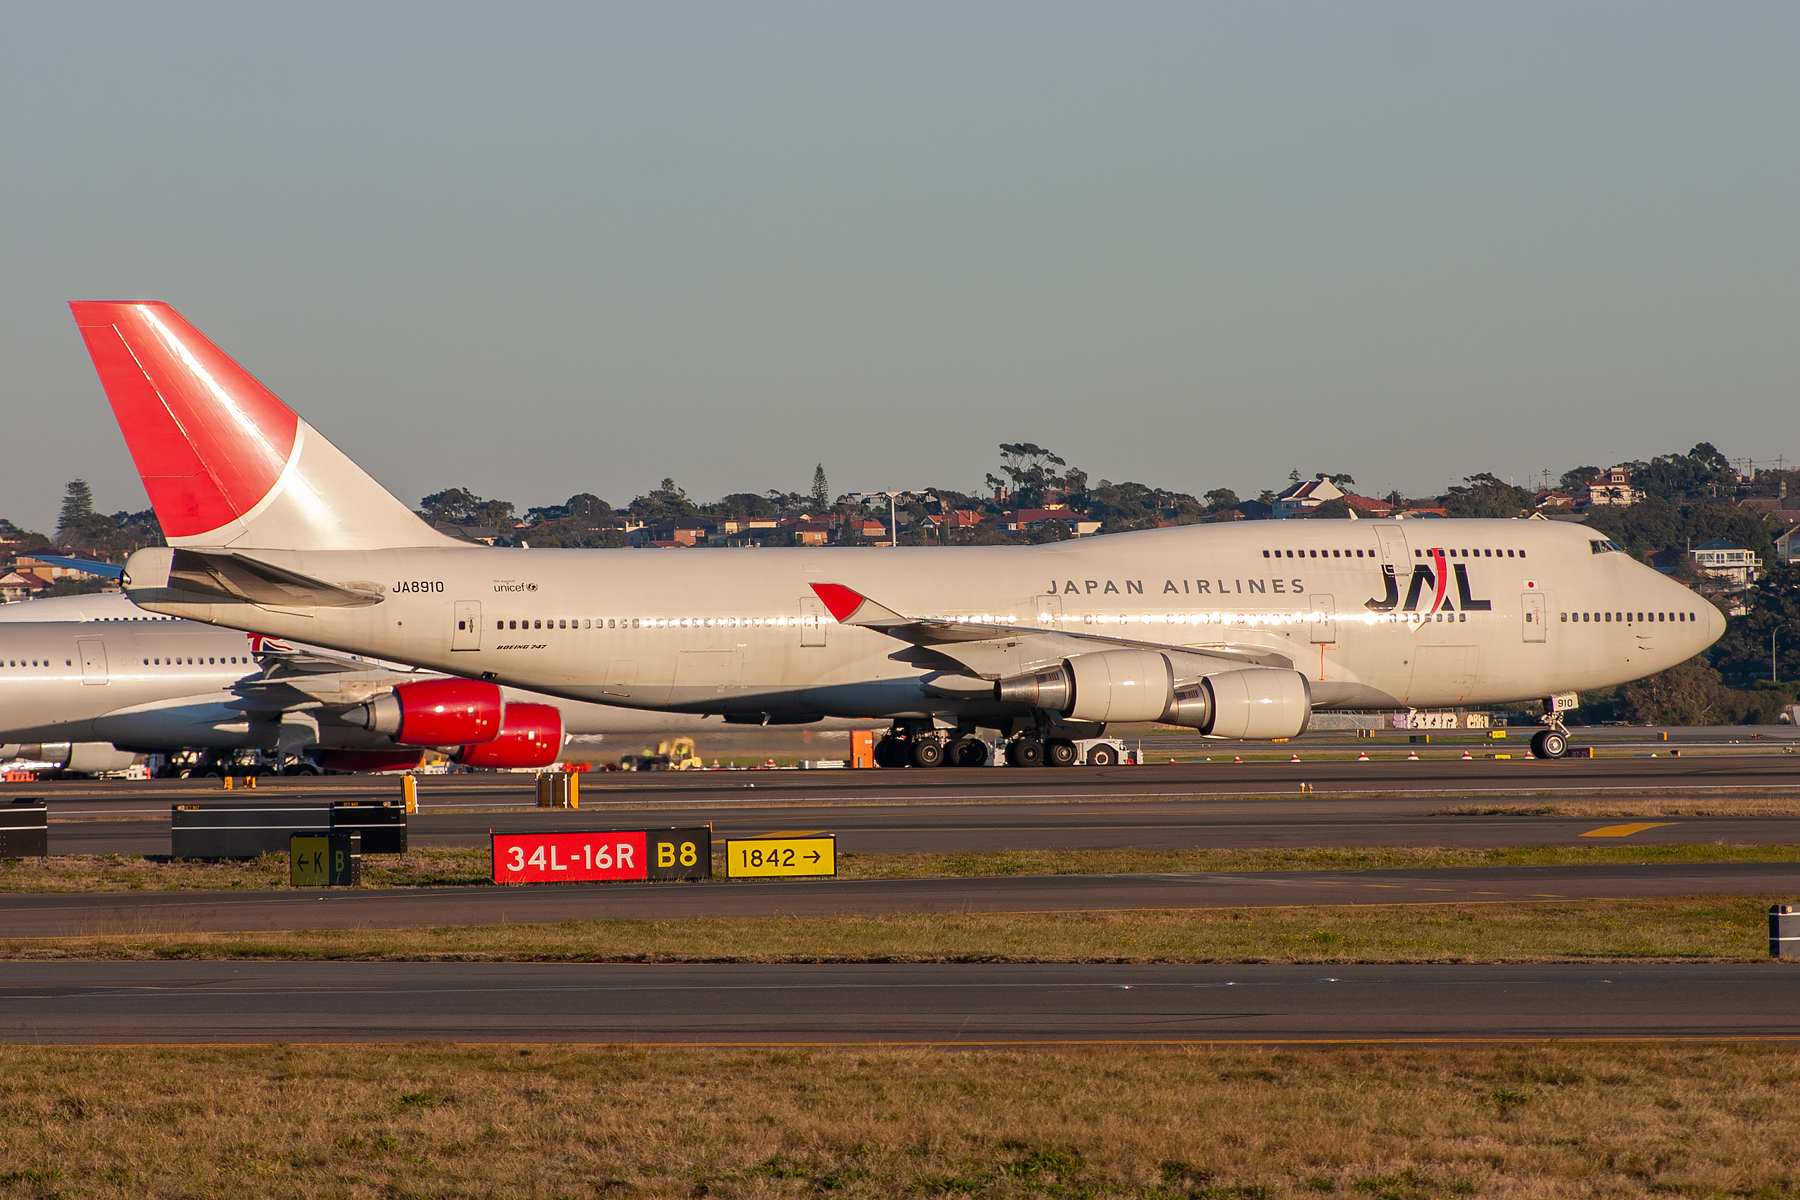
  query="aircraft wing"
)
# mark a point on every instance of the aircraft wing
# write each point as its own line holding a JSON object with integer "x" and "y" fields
{"x": 295, "y": 679}
{"x": 84, "y": 565}
{"x": 991, "y": 648}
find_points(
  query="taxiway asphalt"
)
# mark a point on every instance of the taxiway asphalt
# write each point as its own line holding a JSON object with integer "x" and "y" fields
{"x": 226, "y": 1002}
{"x": 64, "y": 914}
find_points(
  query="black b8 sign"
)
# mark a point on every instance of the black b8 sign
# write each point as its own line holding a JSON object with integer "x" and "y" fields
{"x": 619, "y": 854}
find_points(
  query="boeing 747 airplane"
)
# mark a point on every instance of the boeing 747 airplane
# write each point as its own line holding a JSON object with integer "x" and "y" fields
{"x": 1238, "y": 631}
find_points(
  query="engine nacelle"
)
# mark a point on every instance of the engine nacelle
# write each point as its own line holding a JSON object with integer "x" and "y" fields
{"x": 1139, "y": 685}
{"x": 83, "y": 758}
{"x": 531, "y": 736}
{"x": 1258, "y": 702}
{"x": 437, "y": 712}
{"x": 1118, "y": 685}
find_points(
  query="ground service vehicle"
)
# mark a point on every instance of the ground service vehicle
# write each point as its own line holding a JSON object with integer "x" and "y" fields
{"x": 1237, "y": 631}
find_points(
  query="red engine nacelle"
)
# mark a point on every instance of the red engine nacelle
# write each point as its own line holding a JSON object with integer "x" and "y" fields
{"x": 531, "y": 736}
{"x": 437, "y": 712}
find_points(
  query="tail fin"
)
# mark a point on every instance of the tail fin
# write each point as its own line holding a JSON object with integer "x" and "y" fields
{"x": 226, "y": 463}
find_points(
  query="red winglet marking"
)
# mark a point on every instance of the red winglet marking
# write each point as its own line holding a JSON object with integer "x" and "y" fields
{"x": 840, "y": 600}
{"x": 207, "y": 438}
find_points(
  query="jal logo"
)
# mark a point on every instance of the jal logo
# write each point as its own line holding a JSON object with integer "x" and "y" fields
{"x": 1429, "y": 585}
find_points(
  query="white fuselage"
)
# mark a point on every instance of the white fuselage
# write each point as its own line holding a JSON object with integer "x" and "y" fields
{"x": 100, "y": 669}
{"x": 1480, "y": 612}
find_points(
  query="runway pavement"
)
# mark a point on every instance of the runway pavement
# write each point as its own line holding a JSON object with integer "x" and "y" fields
{"x": 923, "y": 824}
{"x": 215, "y": 1002}
{"x": 69, "y": 914}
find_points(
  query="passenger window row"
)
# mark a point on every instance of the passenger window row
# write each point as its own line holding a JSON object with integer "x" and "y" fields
{"x": 1625, "y": 617}
{"x": 67, "y": 662}
{"x": 655, "y": 623}
{"x": 203, "y": 662}
{"x": 1371, "y": 554}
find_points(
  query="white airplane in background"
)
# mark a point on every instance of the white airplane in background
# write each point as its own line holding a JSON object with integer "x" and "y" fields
{"x": 1238, "y": 631}
{"x": 95, "y": 680}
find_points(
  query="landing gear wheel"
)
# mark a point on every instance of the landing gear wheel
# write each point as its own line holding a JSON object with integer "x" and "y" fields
{"x": 1103, "y": 756}
{"x": 1025, "y": 752}
{"x": 928, "y": 752}
{"x": 1059, "y": 752}
{"x": 890, "y": 752}
{"x": 1549, "y": 743}
{"x": 967, "y": 752}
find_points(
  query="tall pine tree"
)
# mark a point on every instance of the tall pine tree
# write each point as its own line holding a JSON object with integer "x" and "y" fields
{"x": 821, "y": 491}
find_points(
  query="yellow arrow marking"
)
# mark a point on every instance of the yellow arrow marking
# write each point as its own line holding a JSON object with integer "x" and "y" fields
{"x": 1626, "y": 830}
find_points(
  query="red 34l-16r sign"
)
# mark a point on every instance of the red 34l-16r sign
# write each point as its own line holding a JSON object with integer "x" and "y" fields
{"x": 603, "y": 856}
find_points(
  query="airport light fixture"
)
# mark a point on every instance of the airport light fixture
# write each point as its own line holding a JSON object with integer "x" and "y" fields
{"x": 893, "y": 515}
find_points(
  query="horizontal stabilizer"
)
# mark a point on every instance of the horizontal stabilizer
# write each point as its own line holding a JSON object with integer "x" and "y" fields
{"x": 84, "y": 565}
{"x": 196, "y": 576}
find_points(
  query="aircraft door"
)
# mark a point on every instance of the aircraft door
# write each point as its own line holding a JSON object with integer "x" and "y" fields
{"x": 1049, "y": 611}
{"x": 812, "y": 621}
{"x": 1324, "y": 626}
{"x": 1393, "y": 545}
{"x": 1533, "y": 627}
{"x": 468, "y": 626}
{"x": 93, "y": 660}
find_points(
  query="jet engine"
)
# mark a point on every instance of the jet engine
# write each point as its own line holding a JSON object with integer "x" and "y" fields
{"x": 531, "y": 736}
{"x": 1140, "y": 685}
{"x": 437, "y": 712}
{"x": 82, "y": 758}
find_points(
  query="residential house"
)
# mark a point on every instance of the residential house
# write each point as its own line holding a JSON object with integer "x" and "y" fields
{"x": 1726, "y": 560}
{"x": 960, "y": 519}
{"x": 1784, "y": 546}
{"x": 1244, "y": 510}
{"x": 1612, "y": 487}
{"x": 18, "y": 585}
{"x": 670, "y": 532}
{"x": 1364, "y": 507}
{"x": 1029, "y": 520}
{"x": 806, "y": 531}
{"x": 1304, "y": 495}
{"x": 1553, "y": 501}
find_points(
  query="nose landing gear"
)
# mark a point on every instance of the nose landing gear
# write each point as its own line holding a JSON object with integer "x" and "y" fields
{"x": 1549, "y": 743}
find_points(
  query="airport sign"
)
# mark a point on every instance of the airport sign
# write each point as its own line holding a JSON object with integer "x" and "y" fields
{"x": 775, "y": 858}
{"x": 608, "y": 856}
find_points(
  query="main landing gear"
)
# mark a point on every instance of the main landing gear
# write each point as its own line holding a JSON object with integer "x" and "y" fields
{"x": 927, "y": 747}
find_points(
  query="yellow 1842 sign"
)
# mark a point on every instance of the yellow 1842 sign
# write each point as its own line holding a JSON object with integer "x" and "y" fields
{"x": 765, "y": 858}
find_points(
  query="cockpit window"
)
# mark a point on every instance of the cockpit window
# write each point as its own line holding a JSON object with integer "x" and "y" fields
{"x": 1605, "y": 546}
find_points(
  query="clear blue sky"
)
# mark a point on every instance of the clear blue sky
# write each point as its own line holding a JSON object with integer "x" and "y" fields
{"x": 535, "y": 250}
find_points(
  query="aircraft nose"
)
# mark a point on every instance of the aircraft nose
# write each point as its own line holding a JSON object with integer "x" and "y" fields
{"x": 1714, "y": 621}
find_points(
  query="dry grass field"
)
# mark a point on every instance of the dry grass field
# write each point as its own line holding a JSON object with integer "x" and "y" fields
{"x": 447, "y": 867}
{"x": 1563, "y": 1120}
{"x": 1691, "y": 928}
